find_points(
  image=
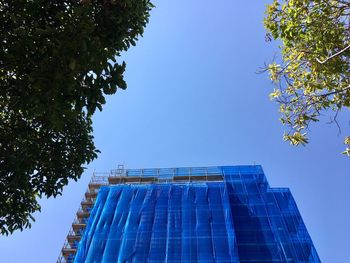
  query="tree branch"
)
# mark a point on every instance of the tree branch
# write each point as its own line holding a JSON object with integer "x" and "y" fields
{"x": 333, "y": 92}
{"x": 332, "y": 56}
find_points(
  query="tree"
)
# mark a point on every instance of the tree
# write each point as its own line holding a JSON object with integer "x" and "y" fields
{"x": 57, "y": 63}
{"x": 314, "y": 76}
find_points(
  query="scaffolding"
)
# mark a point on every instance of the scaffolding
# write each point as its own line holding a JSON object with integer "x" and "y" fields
{"x": 194, "y": 214}
{"x": 128, "y": 176}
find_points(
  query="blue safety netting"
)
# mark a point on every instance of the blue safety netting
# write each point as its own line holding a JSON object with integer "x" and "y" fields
{"x": 268, "y": 225}
{"x": 160, "y": 222}
{"x": 240, "y": 219}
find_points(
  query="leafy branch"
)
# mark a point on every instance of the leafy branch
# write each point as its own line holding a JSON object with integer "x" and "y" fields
{"x": 58, "y": 62}
{"x": 305, "y": 85}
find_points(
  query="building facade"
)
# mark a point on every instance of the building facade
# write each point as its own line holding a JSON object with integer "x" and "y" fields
{"x": 197, "y": 214}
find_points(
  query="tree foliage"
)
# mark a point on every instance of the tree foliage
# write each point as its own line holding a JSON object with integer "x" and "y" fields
{"x": 314, "y": 75}
{"x": 57, "y": 63}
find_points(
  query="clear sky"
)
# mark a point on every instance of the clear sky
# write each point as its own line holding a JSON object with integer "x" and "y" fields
{"x": 194, "y": 99}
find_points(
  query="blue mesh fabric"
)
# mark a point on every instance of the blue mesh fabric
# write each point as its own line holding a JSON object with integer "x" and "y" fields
{"x": 267, "y": 222}
{"x": 159, "y": 223}
{"x": 239, "y": 220}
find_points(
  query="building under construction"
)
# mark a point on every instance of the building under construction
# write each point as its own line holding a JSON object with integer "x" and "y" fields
{"x": 197, "y": 214}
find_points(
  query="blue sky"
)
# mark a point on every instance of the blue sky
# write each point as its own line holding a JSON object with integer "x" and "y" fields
{"x": 194, "y": 99}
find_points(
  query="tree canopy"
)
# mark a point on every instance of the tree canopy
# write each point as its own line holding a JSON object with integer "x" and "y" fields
{"x": 313, "y": 76}
{"x": 58, "y": 60}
